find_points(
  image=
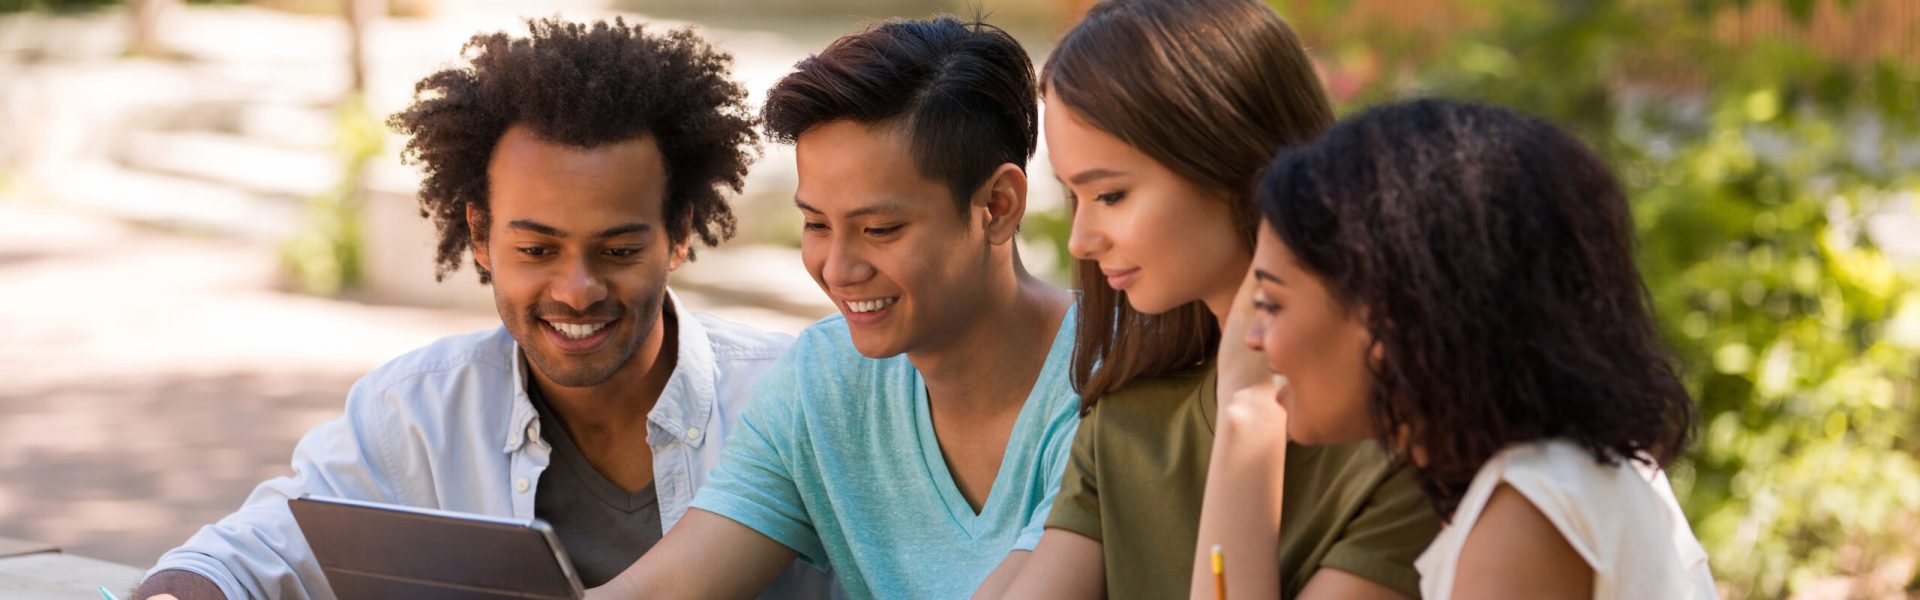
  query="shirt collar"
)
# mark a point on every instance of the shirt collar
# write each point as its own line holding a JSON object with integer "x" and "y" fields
{"x": 520, "y": 427}
{"x": 685, "y": 403}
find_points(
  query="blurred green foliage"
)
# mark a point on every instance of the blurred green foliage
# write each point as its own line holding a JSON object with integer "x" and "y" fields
{"x": 1755, "y": 169}
{"x": 325, "y": 257}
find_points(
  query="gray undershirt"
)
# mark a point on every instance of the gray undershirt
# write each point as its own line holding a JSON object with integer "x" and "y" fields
{"x": 604, "y": 528}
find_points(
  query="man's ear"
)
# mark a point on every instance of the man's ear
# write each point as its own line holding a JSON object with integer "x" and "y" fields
{"x": 679, "y": 251}
{"x": 1006, "y": 203}
{"x": 477, "y": 232}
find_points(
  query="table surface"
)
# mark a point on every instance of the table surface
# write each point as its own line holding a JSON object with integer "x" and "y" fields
{"x": 37, "y": 571}
{"x": 12, "y": 547}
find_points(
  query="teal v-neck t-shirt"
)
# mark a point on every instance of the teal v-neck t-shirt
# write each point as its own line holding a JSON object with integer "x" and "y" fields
{"x": 835, "y": 457}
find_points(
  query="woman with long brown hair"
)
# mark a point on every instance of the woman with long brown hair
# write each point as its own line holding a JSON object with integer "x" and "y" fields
{"x": 1159, "y": 115}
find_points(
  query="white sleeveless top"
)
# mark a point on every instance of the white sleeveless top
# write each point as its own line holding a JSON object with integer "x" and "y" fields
{"x": 1623, "y": 519}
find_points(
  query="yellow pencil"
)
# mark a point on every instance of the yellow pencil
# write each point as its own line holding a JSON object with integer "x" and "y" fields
{"x": 1219, "y": 574}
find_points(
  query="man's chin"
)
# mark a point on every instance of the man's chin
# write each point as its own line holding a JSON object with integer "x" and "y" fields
{"x": 574, "y": 376}
{"x": 877, "y": 345}
{"x": 576, "y": 370}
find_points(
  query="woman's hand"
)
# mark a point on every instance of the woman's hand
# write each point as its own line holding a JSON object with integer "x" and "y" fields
{"x": 1238, "y": 366}
{"x": 1245, "y": 480}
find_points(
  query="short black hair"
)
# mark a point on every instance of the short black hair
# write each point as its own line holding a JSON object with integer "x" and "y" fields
{"x": 962, "y": 91}
{"x": 582, "y": 85}
{"x": 1492, "y": 256}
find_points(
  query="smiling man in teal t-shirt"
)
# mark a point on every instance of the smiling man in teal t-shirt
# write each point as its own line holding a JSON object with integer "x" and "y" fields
{"x": 914, "y": 440}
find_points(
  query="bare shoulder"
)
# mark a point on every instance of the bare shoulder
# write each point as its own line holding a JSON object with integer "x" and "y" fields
{"x": 1514, "y": 551}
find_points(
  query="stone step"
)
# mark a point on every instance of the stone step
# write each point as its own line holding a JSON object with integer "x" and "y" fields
{"x": 279, "y": 125}
{"x": 230, "y": 160}
{"x": 169, "y": 201}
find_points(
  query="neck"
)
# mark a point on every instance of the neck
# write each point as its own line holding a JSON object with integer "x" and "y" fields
{"x": 622, "y": 402}
{"x": 992, "y": 363}
{"x": 1219, "y": 301}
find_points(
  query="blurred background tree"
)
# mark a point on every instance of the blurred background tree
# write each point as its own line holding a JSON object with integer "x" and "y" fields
{"x": 1770, "y": 149}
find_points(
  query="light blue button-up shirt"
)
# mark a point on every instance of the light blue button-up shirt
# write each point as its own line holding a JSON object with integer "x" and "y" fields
{"x": 450, "y": 427}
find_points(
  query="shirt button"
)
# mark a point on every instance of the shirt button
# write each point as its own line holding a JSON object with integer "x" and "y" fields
{"x": 522, "y": 484}
{"x": 693, "y": 433}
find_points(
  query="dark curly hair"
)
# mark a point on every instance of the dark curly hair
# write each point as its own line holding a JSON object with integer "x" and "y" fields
{"x": 1492, "y": 256}
{"x": 962, "y": 91}
{"x": 582, "y": 85}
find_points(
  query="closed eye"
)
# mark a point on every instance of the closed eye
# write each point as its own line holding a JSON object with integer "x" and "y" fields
{"x": 881, "y": 231}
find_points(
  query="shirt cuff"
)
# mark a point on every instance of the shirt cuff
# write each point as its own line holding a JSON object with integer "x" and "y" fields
{"x": 1069, "y": 517}
{"x": 1401, "y": 578}
{"x": 203, "y": 565}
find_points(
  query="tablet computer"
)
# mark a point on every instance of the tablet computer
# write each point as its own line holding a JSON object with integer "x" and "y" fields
{"x": 372, "y": 550}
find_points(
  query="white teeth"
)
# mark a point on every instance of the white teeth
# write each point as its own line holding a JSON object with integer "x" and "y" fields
{"x": 576, "y": 331}
{"x": 870, "y": 305}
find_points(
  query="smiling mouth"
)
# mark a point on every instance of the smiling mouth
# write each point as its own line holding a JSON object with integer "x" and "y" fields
{"x": 867, "y": 306}
{"x": 576, "y": 330}
{"x": 1119, "y": 278}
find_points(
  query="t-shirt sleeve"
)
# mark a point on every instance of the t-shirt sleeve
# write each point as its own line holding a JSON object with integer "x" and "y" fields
{"x": 1616, "y": 518}
{"x": 1055, "y": 452}
{"x": 1384, "y": 539}
{"x": 754, "y": 483}
{"x": 1076, "y": 506}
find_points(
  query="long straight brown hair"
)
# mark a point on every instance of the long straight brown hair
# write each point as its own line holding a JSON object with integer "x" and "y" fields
{"x": 1211, "y": 89}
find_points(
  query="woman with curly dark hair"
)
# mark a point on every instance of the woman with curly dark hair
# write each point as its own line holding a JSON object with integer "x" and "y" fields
{"x": 1457, "y": 282}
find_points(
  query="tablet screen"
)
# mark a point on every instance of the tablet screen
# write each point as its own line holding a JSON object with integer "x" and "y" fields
{"x": 370, "y": 550}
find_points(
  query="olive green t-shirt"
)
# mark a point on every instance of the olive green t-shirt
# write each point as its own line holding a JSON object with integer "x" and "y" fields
{"x": 1138, "y": 470}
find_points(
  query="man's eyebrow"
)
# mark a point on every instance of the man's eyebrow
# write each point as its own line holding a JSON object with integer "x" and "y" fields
{"x": 624, "y": 229}
{"x": 551, "y": 231}
{"x": 546, "y": 230}
{"x": 1092, "y": 175}
{"x": 1263, "y": 275}
{"x": 883, "y": 206}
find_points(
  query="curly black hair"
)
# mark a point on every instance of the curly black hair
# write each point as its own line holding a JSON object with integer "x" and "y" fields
{"x": 582, "y": 85}
{"x": 1492, "y": 256}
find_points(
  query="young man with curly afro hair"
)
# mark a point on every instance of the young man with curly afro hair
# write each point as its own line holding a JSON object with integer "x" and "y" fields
{"x": 577, "y": 165}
